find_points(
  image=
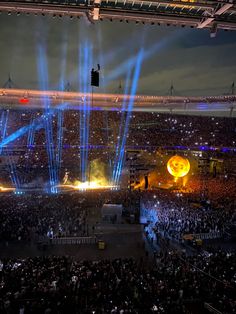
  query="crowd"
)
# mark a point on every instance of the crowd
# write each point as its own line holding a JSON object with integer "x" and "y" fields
{"x": 145, "y": 130}
{"x": 177, "y": 215}
{"x": 35, "y": 217}
{"x": 174, "y": 284}
{"x": 220, "y": 189}
{"x": 25, "y": 161}
{"x": 38, "y": 217}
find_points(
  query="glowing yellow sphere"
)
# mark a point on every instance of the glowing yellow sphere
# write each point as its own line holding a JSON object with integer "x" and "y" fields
{"x": 178, "y": 166}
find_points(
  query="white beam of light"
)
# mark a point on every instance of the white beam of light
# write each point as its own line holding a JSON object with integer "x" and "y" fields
{"x": 134, "y": 86}
{"x": 43, "y": 74}
{"x": 148, "y": 53}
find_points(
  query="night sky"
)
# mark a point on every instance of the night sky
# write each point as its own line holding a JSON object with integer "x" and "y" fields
{"x": 195, "y": 63}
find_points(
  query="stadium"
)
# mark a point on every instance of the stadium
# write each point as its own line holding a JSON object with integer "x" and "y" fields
{"x": 117, "y": 157}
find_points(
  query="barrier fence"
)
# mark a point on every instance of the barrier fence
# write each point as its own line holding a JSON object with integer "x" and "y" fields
{"x": 74, "y": 240}
{"x": 202, "y": 236}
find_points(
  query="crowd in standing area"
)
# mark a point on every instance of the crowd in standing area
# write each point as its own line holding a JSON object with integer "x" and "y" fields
{"x": 34, "y": 217}
{"x": 31, "y": 217}
{"x": 176, "y": 215}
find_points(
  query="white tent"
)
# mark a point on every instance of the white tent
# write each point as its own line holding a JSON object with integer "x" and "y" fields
{"x": 112, "y": 213}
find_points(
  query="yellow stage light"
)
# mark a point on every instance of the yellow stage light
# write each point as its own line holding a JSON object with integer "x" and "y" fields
{"x": 180, "y": 5}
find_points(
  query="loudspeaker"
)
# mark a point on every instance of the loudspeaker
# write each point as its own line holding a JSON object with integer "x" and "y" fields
{"x": 94, "y": 78}
{"x": 146, "y": 182}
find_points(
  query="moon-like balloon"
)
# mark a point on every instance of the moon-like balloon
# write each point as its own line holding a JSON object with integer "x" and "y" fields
{"x": 178, "y": 166}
